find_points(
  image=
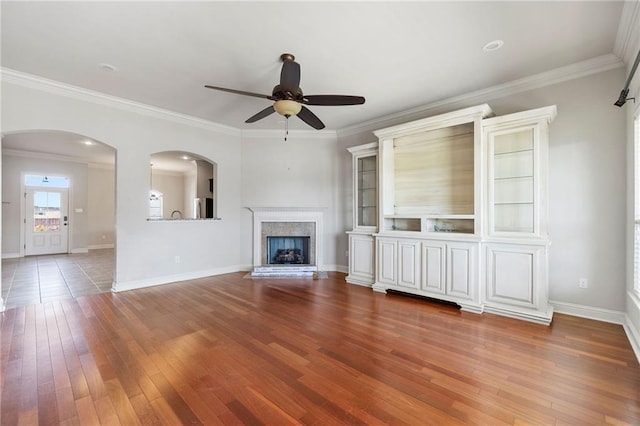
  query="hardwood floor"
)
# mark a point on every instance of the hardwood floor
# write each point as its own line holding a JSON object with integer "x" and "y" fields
{"x": 228, "y": 350}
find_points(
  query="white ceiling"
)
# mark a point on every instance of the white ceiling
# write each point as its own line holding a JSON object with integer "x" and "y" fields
{"x": 398, "y": 55}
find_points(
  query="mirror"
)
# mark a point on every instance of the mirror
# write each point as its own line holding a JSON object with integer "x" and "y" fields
{"x": 182, "y": 186}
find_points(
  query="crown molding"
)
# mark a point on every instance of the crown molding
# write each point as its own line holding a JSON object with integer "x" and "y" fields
{"x": 51, "y": 86}
{"x": 547, "y": 78}
{"x": 628, "y": 37}
{"x": 570, "y": 72}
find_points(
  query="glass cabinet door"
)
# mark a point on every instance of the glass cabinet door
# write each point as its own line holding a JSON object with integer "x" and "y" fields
{"x": 512, "y": 184}
{"x": 366, "y": 191}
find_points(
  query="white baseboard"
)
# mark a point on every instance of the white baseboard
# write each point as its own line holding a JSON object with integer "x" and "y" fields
{"x": 633, "y": 335}
{"x": 100, "y": 246}
{"x": 590, "y": 312}
{"x": 335, "y": 268}
{"x": 632, "y": 322}
{"x": 10, "y": 255}
{"x": 169, "y": 279}
{"x": 73, "y": 251}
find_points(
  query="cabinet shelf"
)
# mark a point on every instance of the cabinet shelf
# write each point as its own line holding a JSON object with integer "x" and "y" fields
{"x": 513, "y": 177}
{"x": 515, "y": 151}
{"x": 513, "y": 203}
{"x": 450, "y": 224}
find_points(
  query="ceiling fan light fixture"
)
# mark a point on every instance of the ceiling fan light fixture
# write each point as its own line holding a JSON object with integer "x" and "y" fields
{"x": 287, "y": 107}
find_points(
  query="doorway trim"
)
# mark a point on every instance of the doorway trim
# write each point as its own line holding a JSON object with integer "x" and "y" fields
{"x": 23, "y": 209}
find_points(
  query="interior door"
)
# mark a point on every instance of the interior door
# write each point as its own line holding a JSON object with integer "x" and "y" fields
{"x": 46, "y": 222}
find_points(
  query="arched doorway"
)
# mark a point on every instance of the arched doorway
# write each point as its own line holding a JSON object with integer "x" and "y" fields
{"x": 87, "y": 264}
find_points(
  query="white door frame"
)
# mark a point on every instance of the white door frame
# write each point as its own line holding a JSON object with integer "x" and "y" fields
{"x": 23, "y": 207}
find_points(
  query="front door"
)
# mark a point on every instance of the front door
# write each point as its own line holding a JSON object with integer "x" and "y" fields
{"x": 46, "y": 224}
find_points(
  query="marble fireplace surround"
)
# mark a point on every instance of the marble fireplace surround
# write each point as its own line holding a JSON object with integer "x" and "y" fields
{"x": 287, "y": 221}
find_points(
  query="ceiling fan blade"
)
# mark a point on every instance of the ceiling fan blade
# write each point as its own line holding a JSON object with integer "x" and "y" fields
{"x": 310, "y": 118}
{"x": 262, "y": 114}
{"x": 330, "y": 100}
{"x": 240, "y": 92}
{"x": 290, "y": 76}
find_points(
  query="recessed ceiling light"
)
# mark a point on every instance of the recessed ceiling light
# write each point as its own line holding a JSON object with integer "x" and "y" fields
{"x": 107, "y": 67}
{"x": 88, "y": 143}
{"x": 493, "y": 45}
{"x": 185, "y": 157}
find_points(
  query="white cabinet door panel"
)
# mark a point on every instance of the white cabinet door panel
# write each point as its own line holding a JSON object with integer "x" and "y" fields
{"x": 461, "y": 266}
{"x": 434, "y": 264}
{"x": 513, "y": 273}
{"x": 361, "y": 257}
{"x": 409, "y": 264}
{"x": 387, "y": 262}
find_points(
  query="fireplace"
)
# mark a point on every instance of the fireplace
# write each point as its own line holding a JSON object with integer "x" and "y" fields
{"x": 286, "y": 241}
{"x": 288, "y": 250}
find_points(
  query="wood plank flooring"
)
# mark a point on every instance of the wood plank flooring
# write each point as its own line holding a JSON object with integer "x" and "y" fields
{"x": 228, "y": 350}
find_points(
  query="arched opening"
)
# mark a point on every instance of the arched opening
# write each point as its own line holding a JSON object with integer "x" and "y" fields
{"x": 187, "y": 184}
{"x": 38, "y": 264}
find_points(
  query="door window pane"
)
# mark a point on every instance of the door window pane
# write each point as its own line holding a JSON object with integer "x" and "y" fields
{"x": 46, "y": 211}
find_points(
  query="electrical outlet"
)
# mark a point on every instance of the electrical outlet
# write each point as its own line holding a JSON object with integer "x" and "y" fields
{"x": 583, "y": 283}
{"x": 177, "y": 259}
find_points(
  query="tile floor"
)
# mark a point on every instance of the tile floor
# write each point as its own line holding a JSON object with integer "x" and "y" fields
{"x": 39, "y": 279}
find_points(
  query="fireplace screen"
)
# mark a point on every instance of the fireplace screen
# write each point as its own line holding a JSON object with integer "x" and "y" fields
{"x": 288, "y": 250}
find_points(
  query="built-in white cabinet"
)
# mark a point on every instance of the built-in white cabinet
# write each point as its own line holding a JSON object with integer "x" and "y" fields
{"x": 365, "y": 214}
{"x": 461, "y": 211}
{"x": 517, "y": 242}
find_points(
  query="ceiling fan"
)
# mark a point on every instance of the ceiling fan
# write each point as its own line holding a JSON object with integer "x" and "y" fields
{"x": 289, "y": 99}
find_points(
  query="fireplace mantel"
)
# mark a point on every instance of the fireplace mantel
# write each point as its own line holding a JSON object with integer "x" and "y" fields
{"x": 263, "y": 215}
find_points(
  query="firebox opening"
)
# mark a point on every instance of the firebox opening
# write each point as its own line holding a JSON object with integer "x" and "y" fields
{"x": 288, "y": 250}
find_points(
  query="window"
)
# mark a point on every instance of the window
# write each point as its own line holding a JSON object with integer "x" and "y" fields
{"x": 46, "y": 181}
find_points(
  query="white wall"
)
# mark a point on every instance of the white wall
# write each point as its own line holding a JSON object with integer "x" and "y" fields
{"x": 171, "y": 184}
{"x": 587, "y": 185}
{"x": 146, "y": 251}
{"x": 300, "y": 172}
{"x": 101, "y": 206}
{"x": 189, "y": 193}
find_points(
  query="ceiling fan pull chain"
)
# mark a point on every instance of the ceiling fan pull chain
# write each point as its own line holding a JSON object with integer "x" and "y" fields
{"x": 286, "y": 128}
